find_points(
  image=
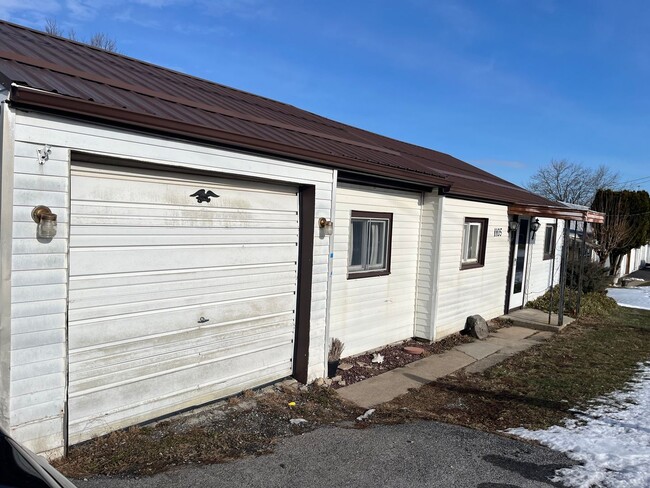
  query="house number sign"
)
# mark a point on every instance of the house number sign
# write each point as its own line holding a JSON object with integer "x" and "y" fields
{"x": 498, "y": 232}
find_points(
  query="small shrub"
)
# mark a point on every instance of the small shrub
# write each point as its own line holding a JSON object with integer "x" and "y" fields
{"x": 336, "y": 349}
{"x": 595, "y": 277}
{"x": 595, "y": 304}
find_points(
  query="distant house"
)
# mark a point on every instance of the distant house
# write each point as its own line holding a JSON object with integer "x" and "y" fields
{"x": 208, "y": 240}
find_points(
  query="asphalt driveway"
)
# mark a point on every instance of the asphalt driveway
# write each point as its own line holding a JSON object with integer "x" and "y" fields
{"x": 409, "y": 455}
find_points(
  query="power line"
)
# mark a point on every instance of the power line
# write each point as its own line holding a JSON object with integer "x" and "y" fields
{"x": 635, "y": 179}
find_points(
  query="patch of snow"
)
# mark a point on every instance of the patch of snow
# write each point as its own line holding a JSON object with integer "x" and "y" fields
{"x": 611, "y": 439}
{"x": 631, "y": 297}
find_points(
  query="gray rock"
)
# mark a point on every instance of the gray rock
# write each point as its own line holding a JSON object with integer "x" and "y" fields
{"x": 297, "y": 421}
{"x": 476, "y": 326}
{"x": 345, "y": 366}
{"x": 336, "y": 379}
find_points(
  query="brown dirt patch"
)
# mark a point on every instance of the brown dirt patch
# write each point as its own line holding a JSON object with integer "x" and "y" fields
{"x": 249, "y": 424}
{"x": 394, "y": 357}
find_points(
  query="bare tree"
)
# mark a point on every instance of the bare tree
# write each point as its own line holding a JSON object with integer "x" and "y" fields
{"x": 102, "y": 41}
{"x": 569, "y": 182}
{"x": 52, "y": 27}
{"x": 99, "y": 39}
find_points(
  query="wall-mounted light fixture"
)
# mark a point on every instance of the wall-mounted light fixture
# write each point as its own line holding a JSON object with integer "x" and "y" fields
{"x": 535, "y": 225}
{"x": 326, "y": 225}
{"x": 513, "y": 225}
{"x": 46, "y": 221}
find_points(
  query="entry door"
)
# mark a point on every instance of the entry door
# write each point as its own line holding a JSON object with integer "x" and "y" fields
{"x": 518, "y": 284}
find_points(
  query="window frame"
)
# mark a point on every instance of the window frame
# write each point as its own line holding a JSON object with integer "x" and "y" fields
{"x": 482, "y": 243}
{"x": 551, "y": 252}
{"x": 369, "y": 217}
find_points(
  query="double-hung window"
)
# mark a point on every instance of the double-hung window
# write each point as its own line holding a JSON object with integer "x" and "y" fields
{"x": 549, "y": 241}
{"x": 474, "y": 241}
{"x": 370, "y": 242}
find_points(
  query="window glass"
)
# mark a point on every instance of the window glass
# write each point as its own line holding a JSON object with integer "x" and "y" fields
{"x": 474, "y": 240}
{"x": 377, "y": 244}
{"x": 549, "y": 241}
{"x": 356, "y": 242}
{"x": 369, "y": 247}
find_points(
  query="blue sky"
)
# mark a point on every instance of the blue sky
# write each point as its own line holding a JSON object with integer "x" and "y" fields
{"x": 506, "y": 85}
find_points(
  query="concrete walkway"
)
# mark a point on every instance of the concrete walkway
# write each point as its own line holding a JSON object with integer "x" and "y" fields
{"x": 474, "y": 357}
{"x": 536, "y": 319}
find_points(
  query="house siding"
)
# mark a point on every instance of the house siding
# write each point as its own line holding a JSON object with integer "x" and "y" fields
{"x": 481, "y": 290}
{"x": 39, "y": 273}
{"x": 428, "y": 262}
{"x": 367, "y": 313}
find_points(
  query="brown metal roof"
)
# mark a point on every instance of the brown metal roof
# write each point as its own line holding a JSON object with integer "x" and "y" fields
{"x": 56, "y": 74}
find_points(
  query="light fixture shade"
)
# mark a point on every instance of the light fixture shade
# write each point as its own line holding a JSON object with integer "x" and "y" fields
{"x": 47, "y": 226}
{"x": 513, "y": 225}
{"x": 326, "y": 225}
{"x": 46, "y": 220}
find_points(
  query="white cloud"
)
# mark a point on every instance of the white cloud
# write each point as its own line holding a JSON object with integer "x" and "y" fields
{"x": 29, "y": 13}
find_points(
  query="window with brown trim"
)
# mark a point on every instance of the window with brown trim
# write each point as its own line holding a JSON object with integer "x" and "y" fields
{"x": 370, "y": 244}
{"x": 474, "y": 242}
{"x": 549, "y": 241}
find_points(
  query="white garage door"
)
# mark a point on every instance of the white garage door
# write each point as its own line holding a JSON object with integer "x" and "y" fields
{"x": 174, "y": 302}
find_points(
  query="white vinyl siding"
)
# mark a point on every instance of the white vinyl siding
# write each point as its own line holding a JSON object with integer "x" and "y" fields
{"x": 370, "y": 312}
{"x": 427, "y": 264}
{"x": 39, "y": 275}
{"x": 479, "y": 290}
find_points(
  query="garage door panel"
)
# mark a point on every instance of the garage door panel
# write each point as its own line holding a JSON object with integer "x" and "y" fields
{"x": 115, "y": 295}
{"x": 88, "y": 424}
{"x": 88, "y": 362}
{"x": 79, "y": 284}
{"x": 224, "y": 236}
{"x": 161, "y": 384}
{"x": 114, "y": 191}
{"x": 207, "y": 211}
{"x": 89, "y": 261}
{"x": 96, "y": 332}
{"x": 149, "y": 265}
{"x": 96, "y": 310}
{"x": 217, "y": 349}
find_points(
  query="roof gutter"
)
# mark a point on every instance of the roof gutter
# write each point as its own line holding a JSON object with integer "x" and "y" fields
{"x": 26, "y": 97}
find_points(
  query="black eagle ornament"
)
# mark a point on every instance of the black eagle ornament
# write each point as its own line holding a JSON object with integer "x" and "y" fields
{"x": 204, "y": 196}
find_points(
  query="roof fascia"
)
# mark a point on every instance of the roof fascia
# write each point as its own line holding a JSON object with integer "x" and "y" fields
{"x": 564, "y": 213}
{"x": 368, "y": 180}
{"x": 26, "y": 97}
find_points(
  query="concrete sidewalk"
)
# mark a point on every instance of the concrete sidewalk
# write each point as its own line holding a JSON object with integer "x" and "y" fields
{"x": 474, "y": 357}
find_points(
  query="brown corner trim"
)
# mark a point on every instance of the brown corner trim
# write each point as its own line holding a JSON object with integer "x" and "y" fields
{"x": 307, "y": 201}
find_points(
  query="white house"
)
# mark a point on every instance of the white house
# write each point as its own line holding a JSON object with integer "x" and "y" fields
{"x": 166, "y": 241}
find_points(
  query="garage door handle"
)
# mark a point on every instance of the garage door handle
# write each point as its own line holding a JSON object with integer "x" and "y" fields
{"x": 203, "y": 320}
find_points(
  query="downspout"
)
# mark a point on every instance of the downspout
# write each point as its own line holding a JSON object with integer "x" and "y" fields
{"x": 330, "y": 268}
{"x": 7, "y": 135}
{"x": 435, "y": 272}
